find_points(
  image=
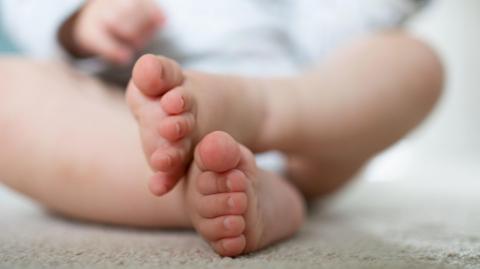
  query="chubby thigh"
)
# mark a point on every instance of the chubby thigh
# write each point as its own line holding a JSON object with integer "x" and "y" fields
{"x": 69, "y": 142}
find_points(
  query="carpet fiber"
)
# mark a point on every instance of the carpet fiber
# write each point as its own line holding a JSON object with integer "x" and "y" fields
{"x": 371, "y": 225}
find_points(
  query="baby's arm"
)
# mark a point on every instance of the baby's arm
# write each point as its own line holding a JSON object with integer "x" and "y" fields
{"x": 109, "y": 29}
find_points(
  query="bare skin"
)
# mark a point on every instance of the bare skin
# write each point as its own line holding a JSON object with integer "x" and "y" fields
{"x": 99, "y": 29}
{"x": 77, "y": 152}
{"x": 171, "y": 109}
{"x": 329, "y": 122}
{"x": 234, "y": 205}
{"x": 175, "y": 106}
{"x": 176, "y": 109}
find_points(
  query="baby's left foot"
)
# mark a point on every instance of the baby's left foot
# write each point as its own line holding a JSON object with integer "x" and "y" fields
{"x": 235, "y": 206}
{"x": 175, "y": 109}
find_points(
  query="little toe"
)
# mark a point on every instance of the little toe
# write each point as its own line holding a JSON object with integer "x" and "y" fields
{"x": 211, "y": 206}
{"x": 176, "y": 101}
{"x": 211, "y": 183}
{"x": 176, "y": 127}
{"x": 161, "y": 183}
{"x": 169, "y": 159}
{"x": 155, "y": 75}
{"x": 230, "y": 246}
{"x": 221, "y": 227}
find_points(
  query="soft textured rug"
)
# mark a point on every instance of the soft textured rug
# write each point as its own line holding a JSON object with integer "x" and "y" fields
{"x": 401, "y": 224}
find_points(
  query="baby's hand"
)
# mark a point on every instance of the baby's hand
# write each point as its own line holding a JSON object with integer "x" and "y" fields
{"x": 111, "y": 29}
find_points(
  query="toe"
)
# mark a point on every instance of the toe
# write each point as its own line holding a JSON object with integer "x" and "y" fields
{"x": 221, "y": 227}
{"x": 154, "y": 75}
{"x": 169, "y": 159}
{"x": 230, "y": 246}
{"x": 176, "y": 127}
{"x": 161, "y": 183}
{"x": 212, "y": 206}
{"x": 217, "y": 152}
{"x": 176, "y": 101}
{"x": 211, "y": 183}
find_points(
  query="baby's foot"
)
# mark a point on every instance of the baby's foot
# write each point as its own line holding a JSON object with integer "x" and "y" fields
{"x": 175, "y": 109}
{"x": 235, "y": 206}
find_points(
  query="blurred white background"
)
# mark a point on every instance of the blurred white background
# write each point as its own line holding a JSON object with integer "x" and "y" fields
{"x": 448, "y": 144}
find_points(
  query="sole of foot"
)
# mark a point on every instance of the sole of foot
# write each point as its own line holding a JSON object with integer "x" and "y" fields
{"x": 235, "y": 206}
{"x": 176, "y": 108}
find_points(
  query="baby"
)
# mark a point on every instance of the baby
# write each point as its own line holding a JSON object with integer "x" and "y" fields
{"x": 67, "y": 140}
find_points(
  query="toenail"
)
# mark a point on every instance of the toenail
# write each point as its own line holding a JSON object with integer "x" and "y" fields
{"x": 229, "y": 185}
{"x": 227, "y": 222}
{"x": 224, "y": 245}
{"x": 182, "y": 102}
{"x": 230, "y": 202}
{"x": 178, "y": 128}
{"x": 167, "y": 159}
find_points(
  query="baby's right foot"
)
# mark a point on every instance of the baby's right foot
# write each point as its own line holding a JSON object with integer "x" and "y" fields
{"x": 235, "y": 206}
{"x": 175, "y": 109}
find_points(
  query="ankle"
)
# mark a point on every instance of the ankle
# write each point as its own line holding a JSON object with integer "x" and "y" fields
{"x": 259, "y": 95}
{"x": 280, "y": 118}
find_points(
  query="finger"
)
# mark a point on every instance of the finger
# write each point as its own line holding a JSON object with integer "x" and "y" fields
{"x": 111, "y": 49}
{"x": 123, "y": 35}
{"x": 157, "y": 16}
{"x": 153, "y": 12}
{"x": 157, "y": 20}
{"x": 124, "y": 30}
{"x": 141, "y": 19}
{"x": 146, "y": 34}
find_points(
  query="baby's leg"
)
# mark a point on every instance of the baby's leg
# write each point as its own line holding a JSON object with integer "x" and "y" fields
{"x": 364, "y": 98}
{"x": 330, "y": 121}
{"x": 70, "y": 143}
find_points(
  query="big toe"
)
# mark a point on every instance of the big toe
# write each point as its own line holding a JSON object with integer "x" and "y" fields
{"x": 155, "y": 75}
{"x": 217, "y": 152}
